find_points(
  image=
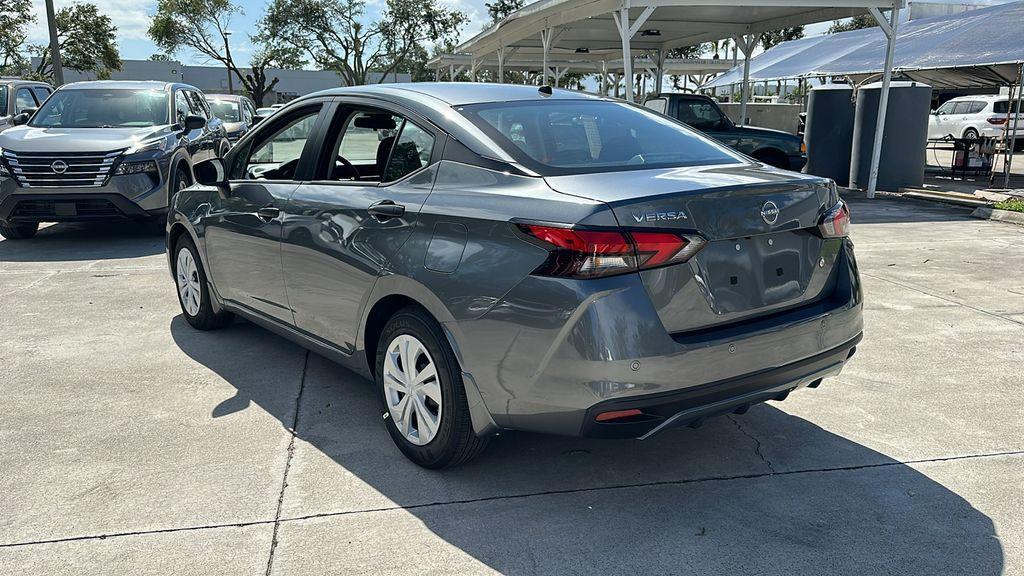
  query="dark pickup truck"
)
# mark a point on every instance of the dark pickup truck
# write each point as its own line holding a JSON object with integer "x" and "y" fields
{"x": 774, "y": 147}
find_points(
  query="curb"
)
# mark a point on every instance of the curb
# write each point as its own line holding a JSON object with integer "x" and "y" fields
{"x": 958, "y": 199}
{"x": 987, "y": 213}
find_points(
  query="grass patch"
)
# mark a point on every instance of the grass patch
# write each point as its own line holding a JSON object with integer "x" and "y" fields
{"x": 1011, "y": 204}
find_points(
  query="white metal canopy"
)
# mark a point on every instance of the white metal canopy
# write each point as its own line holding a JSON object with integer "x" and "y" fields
{"x": 654, "y": 27}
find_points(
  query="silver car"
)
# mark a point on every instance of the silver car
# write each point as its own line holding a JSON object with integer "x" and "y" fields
{"x": 237, "y": 112}
{"x": 513, "y": 258}
{"x": 20, "y": 96}
{"x": 104, "y": 150}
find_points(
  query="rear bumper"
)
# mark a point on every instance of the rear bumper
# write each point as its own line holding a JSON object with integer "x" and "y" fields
{"x": 692, "y": 405}
{"x": 553, "y": 353}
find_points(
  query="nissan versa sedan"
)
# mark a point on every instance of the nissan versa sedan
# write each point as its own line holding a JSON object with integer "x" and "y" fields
{"x": 511, "y": 258}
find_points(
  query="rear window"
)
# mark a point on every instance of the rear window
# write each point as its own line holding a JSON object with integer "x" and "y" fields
{"x": 559, "y": 137}
{"x": 1003, "y": 106}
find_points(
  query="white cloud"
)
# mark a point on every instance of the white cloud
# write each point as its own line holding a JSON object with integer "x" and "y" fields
{"x": 131, "y": 17}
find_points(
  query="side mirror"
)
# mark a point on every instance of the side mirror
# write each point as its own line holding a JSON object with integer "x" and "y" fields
{"x": 256, "y": 120}
{"x": 23, "y": 117}
{"x": 213, "y": 172}
{"x": 194, "y": 122}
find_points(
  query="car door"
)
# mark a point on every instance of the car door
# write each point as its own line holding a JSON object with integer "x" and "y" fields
{"x": 938, "y": 124}
{"x": 243, "y": 231}
{"x": 340, "y": 229}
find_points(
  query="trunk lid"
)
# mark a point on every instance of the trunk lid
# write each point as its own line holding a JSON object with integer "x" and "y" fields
{"x": 762, "y": 255}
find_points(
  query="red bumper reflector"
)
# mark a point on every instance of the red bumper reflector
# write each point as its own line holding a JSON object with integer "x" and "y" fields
{"x": 617, "y": 414}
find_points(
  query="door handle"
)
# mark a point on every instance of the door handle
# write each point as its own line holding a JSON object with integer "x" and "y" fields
{"x": 268, "y": 213}
{"x": 386, "y": 210}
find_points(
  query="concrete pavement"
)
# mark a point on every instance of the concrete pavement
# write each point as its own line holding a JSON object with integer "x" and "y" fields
{"x": 130, "y": 443}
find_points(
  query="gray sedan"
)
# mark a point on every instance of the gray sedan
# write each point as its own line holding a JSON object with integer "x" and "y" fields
{"x": 513, "y": 258}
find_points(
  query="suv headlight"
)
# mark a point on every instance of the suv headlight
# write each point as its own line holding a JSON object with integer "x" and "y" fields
{"x": 125, "y": 168}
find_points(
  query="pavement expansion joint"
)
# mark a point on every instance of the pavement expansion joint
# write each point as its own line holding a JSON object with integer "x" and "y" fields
{"x": 288, "y": 463}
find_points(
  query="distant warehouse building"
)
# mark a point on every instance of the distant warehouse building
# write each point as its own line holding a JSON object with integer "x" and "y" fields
{"x": 214, "y": 79}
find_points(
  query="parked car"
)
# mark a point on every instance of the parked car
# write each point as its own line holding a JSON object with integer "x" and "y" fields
{"x": 18, "y": 96}
{"x": 237, "y": 112}
{"x": 972, "y": 117}
{"x": 103, "y": 150}
{"x": 506, "y": 258}
{"x": 773, "y": 147}
{"x": 264, "y": 112}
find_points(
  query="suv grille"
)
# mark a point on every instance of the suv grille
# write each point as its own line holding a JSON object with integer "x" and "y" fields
{"x": 60, "y": 170}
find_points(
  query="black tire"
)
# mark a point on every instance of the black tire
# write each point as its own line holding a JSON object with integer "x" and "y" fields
{"x": 772, "y": 157}
{"x": 19, "y": 231}
{"x": 179, "y": 182}
{"x": 455, "y": 442}
{"x": 205, "y": 318}
{"x": 970, "y": 134}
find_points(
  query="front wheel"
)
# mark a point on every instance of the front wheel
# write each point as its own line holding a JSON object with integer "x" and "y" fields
{"x": 193, "y": 290}
{"x": 20, "y": 231}
{"x": 423, "y": 394}
{"x": 970, "y": 134}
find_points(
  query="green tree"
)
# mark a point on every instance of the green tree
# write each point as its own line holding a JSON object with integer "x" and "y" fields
{"x": 202, "y": 26}
{"x": 335, "y": 34}
{"x": 499, "y": 9}
{"x": 159, "y": 57}
{"x": 87, "y": 40}
{"x": 856, "y": 23}
{"x": 769, "y": 39}
{"x": 15, "y": 18}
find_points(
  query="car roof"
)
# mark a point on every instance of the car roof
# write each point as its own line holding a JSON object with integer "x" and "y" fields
{"x": 126, "y": 85}
{"x": 224, "y": 96}
{"x": 12, "y": 80}
{"x": 985, "y": 97}
{"x": 460, "y": 93}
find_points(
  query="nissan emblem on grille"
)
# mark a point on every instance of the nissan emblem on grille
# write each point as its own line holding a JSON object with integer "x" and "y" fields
{"x": 770, "y": 212}
{"x": 59, "y": 166}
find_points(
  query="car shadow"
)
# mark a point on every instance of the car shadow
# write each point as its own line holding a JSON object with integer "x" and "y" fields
{"x": 765, "y": 492}
{"x": 881, "y": 210}
{"x": 84, "y": 241}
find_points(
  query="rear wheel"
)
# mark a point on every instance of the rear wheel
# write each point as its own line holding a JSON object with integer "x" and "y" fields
{"x": 422, "y": 390}
{"x": 193, "y": 290}
{"x": 19, "y": 231}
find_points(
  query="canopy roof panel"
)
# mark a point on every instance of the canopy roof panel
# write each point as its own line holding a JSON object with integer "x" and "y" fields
{"x": 589, "y": 24}
{"x": 981, "y": 47}
{"x": 532, "y": 59}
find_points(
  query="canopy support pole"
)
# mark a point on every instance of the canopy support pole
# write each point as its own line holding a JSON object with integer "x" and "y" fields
{"x": 604, "y": 78}
{"x": 545, "y": 40}
{"x": 889, "y": 28}
{"x": 501, "y": 65}
{"x": 746, "y": 44}
{"x": 1015, "y": 110}
{"x": 660, "y": 55}
{"x": 626, "y": 33}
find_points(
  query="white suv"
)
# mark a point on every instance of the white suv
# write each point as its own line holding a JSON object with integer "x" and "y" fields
{"x": 974, "y": 116}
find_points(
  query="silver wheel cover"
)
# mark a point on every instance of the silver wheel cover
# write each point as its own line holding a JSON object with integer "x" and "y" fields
{"x": 188, "y": 282}
{"x": 412, "y": 389}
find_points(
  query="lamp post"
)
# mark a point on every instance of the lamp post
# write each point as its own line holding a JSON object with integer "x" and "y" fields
{"x": 51, "y": 23}
{"x": 227, "y": 54}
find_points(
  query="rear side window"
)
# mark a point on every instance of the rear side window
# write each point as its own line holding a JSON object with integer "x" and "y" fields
{"x": 579, "y": 136}
{"x": 411, "y": 152}
{"x": 1003, "y": 106}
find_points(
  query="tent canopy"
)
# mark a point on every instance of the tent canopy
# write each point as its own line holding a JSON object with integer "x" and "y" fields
{"x": 982, "y": 47}
{"x": 610, "y": 62}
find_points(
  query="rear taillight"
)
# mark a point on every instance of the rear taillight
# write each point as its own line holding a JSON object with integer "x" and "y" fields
{"x": 997, "y": 120}
{"x": 582, "y": 253}
{"x": 836, "y": 222}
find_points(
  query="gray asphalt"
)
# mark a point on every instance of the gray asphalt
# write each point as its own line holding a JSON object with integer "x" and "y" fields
{"x": 131, "y": 444}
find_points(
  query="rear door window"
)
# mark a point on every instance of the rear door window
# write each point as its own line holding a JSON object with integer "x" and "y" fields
{"x": 976, "y": 107}
{"x": 411, "y": 152}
